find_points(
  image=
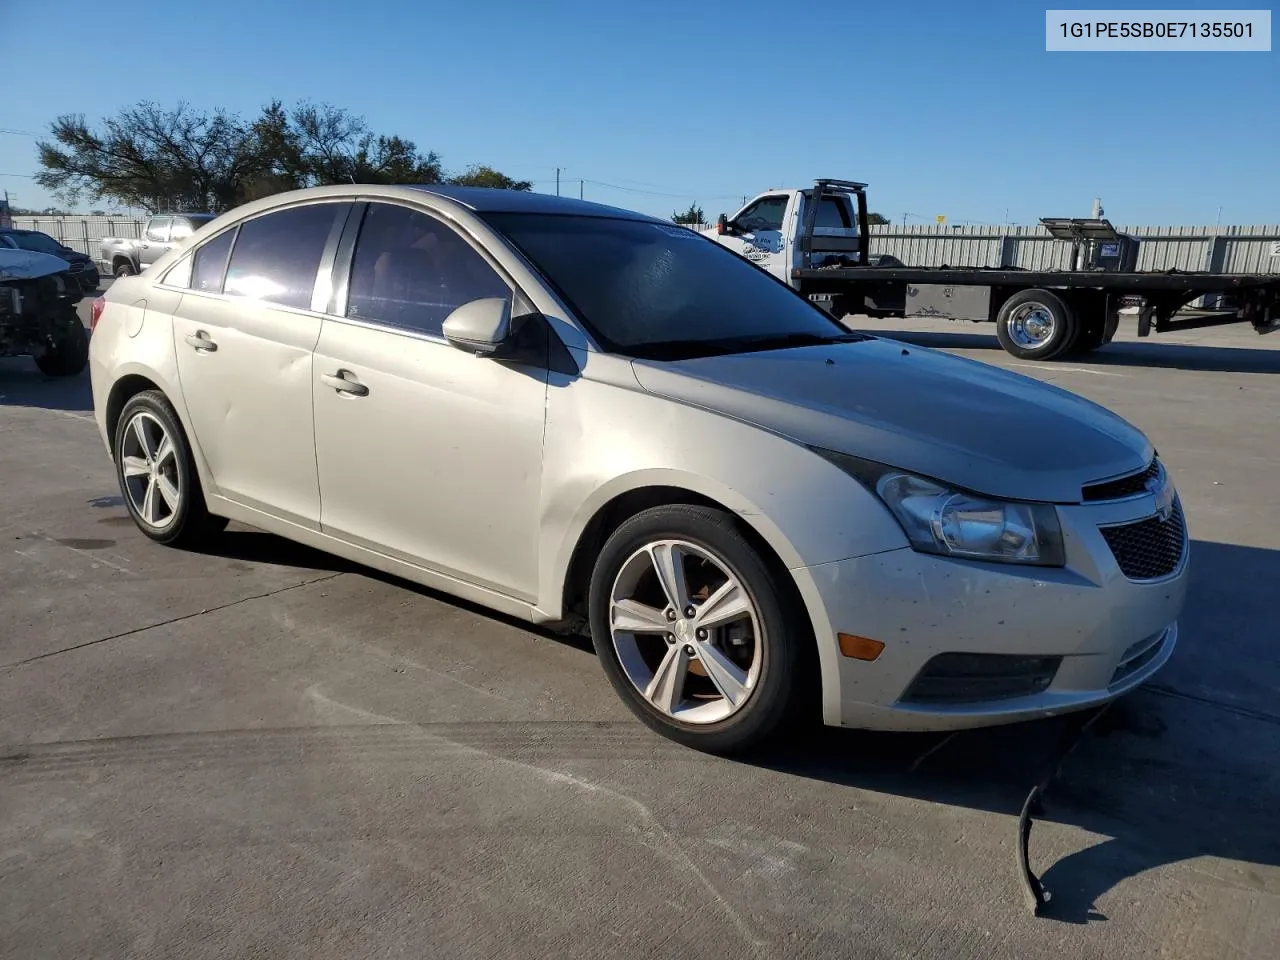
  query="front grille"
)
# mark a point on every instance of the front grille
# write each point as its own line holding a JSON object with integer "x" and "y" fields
{"x": 977, "y": 677}
{"x": 1150, "y": 548}
{"x": 1138, "y": 656}
{"x": 76, "y": 266}
{"x": 1130, "y": 486}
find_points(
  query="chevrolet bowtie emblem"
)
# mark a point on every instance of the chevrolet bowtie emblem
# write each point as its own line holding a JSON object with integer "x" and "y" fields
{"x": 1158, "y": 484}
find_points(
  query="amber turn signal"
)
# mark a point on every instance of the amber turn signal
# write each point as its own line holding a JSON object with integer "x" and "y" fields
{"x": 860, "y": 648}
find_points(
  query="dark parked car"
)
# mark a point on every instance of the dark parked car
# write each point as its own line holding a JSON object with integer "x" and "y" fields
{"x": 83, "y": 269}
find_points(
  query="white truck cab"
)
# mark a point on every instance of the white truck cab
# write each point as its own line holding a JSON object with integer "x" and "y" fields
{"x": 770, "y": 230}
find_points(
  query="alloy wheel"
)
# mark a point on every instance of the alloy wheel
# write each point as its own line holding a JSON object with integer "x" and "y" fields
{"x": 685, "y": 631}
{"x": 149, "y": 464}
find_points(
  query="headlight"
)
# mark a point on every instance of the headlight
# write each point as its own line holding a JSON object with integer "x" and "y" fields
{"x": 954, "y": 523}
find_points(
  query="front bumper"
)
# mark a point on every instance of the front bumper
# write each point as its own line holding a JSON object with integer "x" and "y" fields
{"x": 1111, "y": 633}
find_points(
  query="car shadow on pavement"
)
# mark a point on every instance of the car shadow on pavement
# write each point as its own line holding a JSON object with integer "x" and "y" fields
{"x": 1187, "y": 766}
{"x": 23, "y": 385}
{"x": 1150, "y": 353}
{"x": 255, "y": 546}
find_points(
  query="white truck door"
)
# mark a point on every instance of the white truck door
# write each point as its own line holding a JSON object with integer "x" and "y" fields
{"x": 759, "y": 234}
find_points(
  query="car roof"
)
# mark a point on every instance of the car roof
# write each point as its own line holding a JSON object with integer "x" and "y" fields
{"x": 494, "y": 200}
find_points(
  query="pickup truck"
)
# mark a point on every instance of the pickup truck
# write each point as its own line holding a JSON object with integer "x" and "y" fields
{"x": 125, "y": 257}
{"x": 817, "y": 241}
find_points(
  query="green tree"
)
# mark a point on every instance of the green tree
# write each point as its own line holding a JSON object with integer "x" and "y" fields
{"x": 482, "y": 176}
{"x": 148, "y": 157}
{"x": 160, "y": 158}
{"x": 691, "y": 216}
{"x": 876, "y": 219}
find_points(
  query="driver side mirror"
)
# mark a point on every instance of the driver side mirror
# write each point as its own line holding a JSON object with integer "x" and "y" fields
{"x": 481, "y": 327}
{"x": 723, "y": 226}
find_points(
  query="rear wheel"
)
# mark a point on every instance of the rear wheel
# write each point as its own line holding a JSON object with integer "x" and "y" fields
{"x": 68, "y": 353}
{"x": 157, "y": 474}
{"x": 692, "y": 631}
{"x": 1036, "y": 325}
{"x": 124, "y": 269}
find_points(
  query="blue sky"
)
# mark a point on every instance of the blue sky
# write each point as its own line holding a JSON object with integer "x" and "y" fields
{"x": 943, "y": 107}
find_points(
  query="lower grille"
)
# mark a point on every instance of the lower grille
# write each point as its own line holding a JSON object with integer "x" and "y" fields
{"x": 1149, "y": 549}
{"x": 977, "y": 677}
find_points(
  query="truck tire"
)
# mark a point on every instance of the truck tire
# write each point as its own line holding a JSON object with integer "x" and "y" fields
{"x": 68, "y": 355}
{"x": 1036, "y": 325}
{"x": 124, "y": 269}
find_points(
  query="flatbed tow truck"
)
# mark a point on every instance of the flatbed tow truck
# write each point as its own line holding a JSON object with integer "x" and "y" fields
{"x": 814, "y": 240}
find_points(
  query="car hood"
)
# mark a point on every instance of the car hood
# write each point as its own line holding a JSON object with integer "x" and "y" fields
{"x": 960, "y": 421}
{"x": 28, "y": 264}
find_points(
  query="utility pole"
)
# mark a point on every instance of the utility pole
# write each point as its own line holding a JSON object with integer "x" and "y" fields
{"x": 580, "y": 182}
{"x": 557, "y": 181}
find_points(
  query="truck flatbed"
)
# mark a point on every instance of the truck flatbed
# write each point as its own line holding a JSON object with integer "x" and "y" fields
{"x": 1171, "y": 281}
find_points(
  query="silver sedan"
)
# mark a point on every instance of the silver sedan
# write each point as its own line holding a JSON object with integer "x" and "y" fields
{"x": 599, "y": 420}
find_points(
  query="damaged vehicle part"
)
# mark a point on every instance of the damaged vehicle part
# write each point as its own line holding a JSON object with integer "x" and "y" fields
{"x": 38, "y": 297}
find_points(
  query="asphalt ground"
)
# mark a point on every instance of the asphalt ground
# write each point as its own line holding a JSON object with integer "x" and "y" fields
{"x": 264, "y": 751}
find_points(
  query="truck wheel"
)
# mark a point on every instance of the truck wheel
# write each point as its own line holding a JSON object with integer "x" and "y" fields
{"x": 1091, "y": 338}
{"x": 694, "y": 631}
{"x": 1036, "y": 325}
{"x": 124, "y": 269}
{"x": 68, "y": 355}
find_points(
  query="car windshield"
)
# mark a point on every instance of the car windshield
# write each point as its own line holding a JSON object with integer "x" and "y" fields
{"x": 660, "y": 291}
{"x": 39, "y": 242}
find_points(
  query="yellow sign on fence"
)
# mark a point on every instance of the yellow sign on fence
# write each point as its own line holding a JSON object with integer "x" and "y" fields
{"x": 942, "y": 218}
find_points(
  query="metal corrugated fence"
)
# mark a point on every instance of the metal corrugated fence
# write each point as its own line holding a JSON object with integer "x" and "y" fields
{"x": 82, "y": 233}
{"x": 1234, "y": 249}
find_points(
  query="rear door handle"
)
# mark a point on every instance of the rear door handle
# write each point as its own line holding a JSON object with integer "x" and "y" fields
{"x": 344, "y": 381}
{"x": 202, "y": 342}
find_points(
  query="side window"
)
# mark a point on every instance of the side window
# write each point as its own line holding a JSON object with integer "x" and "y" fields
{"x": 765, "y": 214}
{"x": 158, "y": 229}
{"x": 210, "y": 263}
{"x": 182, "y": 228}
{"x": 411, "y": 270}
{"x": 833, "y": 213}
{"x": 277, "y": 255}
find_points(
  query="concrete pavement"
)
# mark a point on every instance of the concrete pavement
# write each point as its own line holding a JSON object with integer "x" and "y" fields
{"x": 263, "y": 751}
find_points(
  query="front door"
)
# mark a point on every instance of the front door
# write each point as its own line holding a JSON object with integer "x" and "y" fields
{"x": 426, "y": 452}
{"x": 761, "y": 238}
{"x": 244, "y": 349}
{"x": 155, "y": 241}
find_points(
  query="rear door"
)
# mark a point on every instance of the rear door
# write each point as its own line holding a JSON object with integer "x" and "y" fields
{"x": 244, "y": 334}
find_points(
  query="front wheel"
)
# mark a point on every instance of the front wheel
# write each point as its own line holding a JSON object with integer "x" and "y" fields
{"x": 68, "y": 353}
{"x": 124, "y": 269}
{"x": 1036, "y": 325}
{"x": 157, "y": 474}
{"x": 693, "y": 631}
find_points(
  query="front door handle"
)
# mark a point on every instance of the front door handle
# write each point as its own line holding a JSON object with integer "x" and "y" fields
{"x": 344, "y": 381}
{"x": 202, "y": 342}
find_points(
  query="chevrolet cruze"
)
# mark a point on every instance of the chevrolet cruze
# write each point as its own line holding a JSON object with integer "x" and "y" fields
{"x": 599, "y": 420}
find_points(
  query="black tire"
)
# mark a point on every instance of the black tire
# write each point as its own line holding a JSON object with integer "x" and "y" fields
{"x": 68, "y": 355}
{"x": 1091, "y": 338}
{"x": 786, "y": 682}
{"x": 1063, "y": 333}
{"x": 124, "y": 269}
{"x": 191, "y": 523}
